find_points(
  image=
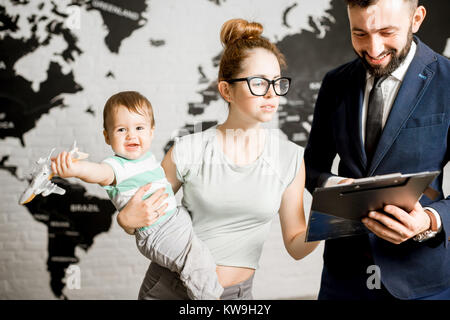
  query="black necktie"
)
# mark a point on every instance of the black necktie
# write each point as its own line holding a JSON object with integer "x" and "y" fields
{"x": 374, "y": 118}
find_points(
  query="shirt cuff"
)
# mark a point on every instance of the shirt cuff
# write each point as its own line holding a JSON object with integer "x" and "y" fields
{"x": 438, "y": 218}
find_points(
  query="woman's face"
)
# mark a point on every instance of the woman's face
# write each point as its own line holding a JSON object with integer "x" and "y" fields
{"x": 261, "y": 63}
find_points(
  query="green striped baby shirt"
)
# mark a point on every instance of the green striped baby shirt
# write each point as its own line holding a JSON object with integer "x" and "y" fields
{"x": 130, "y": 175}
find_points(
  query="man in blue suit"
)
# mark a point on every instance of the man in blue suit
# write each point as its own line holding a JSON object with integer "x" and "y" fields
{"x": 387, "y": 111}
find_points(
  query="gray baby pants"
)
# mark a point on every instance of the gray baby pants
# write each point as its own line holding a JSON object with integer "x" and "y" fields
{"x": 172, "y": 244}
{"x": 161, "y": 284}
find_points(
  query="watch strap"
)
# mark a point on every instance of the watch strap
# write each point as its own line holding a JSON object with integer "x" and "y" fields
{"x": 433, "y": 220}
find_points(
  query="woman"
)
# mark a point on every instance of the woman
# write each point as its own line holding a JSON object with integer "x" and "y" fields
{"x": 235, "y": 176}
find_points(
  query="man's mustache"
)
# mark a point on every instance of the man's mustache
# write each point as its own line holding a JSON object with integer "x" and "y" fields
{"x": 391, "y": 51}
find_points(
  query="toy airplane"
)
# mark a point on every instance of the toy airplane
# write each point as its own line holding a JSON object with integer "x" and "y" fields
{"x": 42, "y": 174}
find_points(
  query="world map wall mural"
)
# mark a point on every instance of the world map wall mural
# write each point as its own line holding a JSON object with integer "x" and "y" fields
{"x": 61, "y": 60}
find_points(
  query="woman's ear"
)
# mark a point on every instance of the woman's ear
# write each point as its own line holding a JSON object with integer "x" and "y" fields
{"x": 225, "y": 90}
{"x": 105, "y": 135}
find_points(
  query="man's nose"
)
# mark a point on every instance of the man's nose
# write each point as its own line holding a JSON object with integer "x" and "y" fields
{"x": 375, "y": 46}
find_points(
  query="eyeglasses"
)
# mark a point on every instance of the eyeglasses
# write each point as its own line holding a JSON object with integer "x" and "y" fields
{"x": 260, "y": 86}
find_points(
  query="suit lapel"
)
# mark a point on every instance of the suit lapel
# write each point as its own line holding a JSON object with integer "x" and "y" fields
{"x": 354, "y": 103}
{"x": 416, "y": 81}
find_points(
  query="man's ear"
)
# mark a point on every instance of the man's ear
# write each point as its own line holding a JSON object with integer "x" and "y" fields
{"x": 225, "y": 90}
{"x": 105, "y": 135}
{"x": 418, "y": 17}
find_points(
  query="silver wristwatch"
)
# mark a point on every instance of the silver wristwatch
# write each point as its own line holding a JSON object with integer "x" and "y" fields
{"x": 427, "y": 234}
{"x": 430, "y": 233}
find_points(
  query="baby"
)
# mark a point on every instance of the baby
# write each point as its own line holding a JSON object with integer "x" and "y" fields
{"x": 128, "y": 128}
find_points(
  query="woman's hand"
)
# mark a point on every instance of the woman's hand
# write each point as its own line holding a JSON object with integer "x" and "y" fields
{"x": 140, "y": 213}
{"x": 346, "y": 181}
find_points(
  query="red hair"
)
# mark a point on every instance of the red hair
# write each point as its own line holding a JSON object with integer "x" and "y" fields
{"x": 238, "y": 36}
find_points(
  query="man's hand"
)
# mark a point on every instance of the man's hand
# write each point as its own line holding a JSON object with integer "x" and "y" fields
{"x": 397, "y": 231}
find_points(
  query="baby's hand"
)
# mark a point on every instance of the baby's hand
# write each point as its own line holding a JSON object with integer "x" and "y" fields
{"x": 64, "y": 166}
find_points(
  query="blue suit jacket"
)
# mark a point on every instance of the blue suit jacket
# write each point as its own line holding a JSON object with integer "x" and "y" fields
{"x": 415, "y": 138}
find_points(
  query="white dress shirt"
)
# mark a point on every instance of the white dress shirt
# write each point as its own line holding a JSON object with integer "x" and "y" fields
{"x": 389, "y": 87}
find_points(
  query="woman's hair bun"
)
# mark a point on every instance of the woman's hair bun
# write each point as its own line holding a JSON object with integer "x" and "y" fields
{"x": 236, "y": 29}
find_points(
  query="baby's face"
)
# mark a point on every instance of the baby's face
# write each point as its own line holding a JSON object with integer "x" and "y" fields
{"x": 129, "y": 134}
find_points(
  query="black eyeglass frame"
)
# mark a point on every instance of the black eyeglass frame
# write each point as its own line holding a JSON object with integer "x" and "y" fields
{"x": 271, "y": 82}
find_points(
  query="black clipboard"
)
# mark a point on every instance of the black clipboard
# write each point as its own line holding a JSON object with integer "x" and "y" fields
{"x": 337, "y": 211}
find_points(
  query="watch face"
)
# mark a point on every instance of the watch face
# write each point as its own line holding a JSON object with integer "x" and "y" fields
{"x": 428, "y": 234}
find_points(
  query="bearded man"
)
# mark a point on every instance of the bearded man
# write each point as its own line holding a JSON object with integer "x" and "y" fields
{"x": 388, "y": 111}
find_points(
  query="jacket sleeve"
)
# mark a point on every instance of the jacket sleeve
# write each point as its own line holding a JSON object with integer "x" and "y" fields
{"x": 321, "y": 150}
{"x": 443, "y": 206}
{"x": 443, "y": 209}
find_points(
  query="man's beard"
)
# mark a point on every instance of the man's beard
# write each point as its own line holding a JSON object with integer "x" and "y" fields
{"x": 394, "y": 63}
